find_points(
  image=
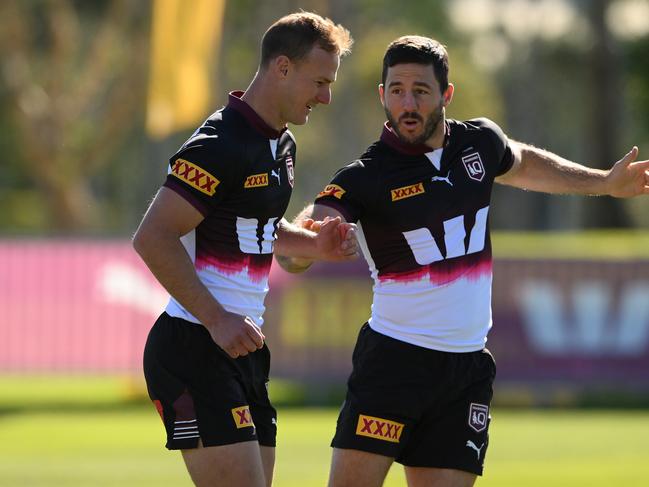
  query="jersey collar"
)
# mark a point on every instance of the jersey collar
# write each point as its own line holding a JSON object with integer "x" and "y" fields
{"x": 389, "y": 137}
{"x": 236, "y": 103}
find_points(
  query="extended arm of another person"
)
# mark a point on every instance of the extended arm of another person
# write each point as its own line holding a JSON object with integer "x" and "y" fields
{"x": 317, "y": 233}
{"x": 539, "y": 170}
{"x": 157, "y": 241}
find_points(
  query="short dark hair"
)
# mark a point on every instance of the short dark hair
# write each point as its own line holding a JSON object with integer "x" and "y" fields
{"x": 418, "y": 50}
{"x": 295, "y": 35}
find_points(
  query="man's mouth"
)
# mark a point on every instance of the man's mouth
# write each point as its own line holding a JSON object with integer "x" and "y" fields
{"x": 410, "y": 123}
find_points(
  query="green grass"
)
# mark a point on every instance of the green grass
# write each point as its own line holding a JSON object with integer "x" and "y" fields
{"x": 124, "y": 447}
{"x": 97, "y": 431}
{"x": 589, "y": 244}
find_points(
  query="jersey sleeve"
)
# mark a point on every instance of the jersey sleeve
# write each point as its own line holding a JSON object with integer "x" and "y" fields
{"x": 201, "y": 175}
{"x": 503, "y": 152}
{"x": 346, "y": 193}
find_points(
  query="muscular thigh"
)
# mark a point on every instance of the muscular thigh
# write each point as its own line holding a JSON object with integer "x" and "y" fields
{"x": 354, "y": 468}
{"x": 438, "y": 477}
{"x": 236, "y": 464}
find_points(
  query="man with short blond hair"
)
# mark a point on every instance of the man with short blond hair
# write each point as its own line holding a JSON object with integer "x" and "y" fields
{"x": 209, "y": 236}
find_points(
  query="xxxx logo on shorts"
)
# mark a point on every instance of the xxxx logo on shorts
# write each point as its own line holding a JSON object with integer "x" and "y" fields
{"x": 242, "y": 418}
{"x": 332, "y": 190}
{"x": 195, "y": 176}
{"x": 256, "y": 180}
{"x": 407, "y": 191}
{"x": 381, "y": 429}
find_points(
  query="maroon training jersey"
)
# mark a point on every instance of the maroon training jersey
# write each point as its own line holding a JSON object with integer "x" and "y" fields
{"x": 238, "y": 172}
{"x": 423, "y": 228}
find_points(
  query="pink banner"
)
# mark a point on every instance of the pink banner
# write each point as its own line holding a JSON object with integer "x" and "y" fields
{"x": 74, "y": 306}
{"x": 87, "y": 306}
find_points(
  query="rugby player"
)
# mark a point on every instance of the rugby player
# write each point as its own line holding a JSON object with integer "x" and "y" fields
{"x": 421, "y": 385}
{"x": 209, "y": 236}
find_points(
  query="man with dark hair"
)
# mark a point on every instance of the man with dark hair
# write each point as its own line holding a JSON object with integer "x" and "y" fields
{"x": 209, "y": 236}
{"x": 421, "y": 385}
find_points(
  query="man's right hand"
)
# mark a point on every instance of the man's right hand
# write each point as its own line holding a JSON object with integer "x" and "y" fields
{"x": 237, "y": 335}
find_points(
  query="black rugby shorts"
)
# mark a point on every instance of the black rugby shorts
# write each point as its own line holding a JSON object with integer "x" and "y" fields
{"x": 201, "y": 392}
{"x": 423, "y": 407}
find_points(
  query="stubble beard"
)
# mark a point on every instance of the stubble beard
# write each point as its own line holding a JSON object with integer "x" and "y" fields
{"x": 430, "y": 125}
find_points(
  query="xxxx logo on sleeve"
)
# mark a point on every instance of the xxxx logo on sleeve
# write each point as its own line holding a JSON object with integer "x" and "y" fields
{"x": 195, "y": 176}
{"x": 407, "y": 191}
{"x": 380, "y": 429}
{"x": 256, "y": 180}
{"x": 332, "y": 190}
{"x": 242, "y": 417}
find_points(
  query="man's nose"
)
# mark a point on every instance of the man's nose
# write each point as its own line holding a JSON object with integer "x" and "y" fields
{"x": 324, "y": 95}
{"x": 409, "y": 102}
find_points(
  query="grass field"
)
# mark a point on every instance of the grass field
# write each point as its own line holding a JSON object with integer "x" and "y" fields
{"x": 79, "y": 432}
{"x": 123, "y": 448}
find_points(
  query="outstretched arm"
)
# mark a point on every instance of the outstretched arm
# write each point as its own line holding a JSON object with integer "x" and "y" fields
{"x": 318, "y": 233}
{"x": 539, "y": 170}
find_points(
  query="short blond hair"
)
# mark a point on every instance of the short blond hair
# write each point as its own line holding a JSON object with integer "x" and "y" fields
{"x": 294, "y": 36}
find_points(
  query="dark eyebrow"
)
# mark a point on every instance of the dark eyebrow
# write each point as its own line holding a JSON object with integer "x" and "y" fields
{"x": 416, "y": 83}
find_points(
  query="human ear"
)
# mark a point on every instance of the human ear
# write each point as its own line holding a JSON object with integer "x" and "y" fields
{"x": 448, "y": 94}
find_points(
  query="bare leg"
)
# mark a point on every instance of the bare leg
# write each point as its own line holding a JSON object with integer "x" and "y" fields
{"x": 227, "y": 465}
{"x": 268, "y": 462}
{"x": 438, "y": 477}
{"x": 354, "y": 468}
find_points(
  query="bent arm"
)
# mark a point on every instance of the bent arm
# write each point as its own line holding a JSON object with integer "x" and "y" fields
{"x": 540, "y": 170}
{"x": 157, "y": 241}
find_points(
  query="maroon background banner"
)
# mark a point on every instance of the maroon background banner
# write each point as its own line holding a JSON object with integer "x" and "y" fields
{"x": 86, "y": 306}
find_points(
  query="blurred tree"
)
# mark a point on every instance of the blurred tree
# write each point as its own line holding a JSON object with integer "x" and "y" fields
{"x": 604, "y": 113}
{"x": 73, "y": 73}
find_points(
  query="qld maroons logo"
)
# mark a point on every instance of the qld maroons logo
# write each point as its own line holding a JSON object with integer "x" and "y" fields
{"x": 478, "y": 417}
{"x": 290, "y": 171}
{"x": 474, "y": 166}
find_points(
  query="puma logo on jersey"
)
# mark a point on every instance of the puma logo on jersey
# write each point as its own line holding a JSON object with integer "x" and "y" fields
{"x": 407, "y": 191}
{"x": 470, "y": 444}
{"x": 380, "y": 429}
{"x": 256, "y": 180}
{"x": 446, "y": 179}
{"x": 196, "y": 177}
{"x": 242, "y": 417}
{"x": 332, "y": 190}
{"x": 275, "y": 174}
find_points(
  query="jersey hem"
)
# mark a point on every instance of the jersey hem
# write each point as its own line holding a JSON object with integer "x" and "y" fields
{"x": 431, "y": 346}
